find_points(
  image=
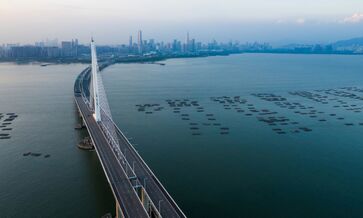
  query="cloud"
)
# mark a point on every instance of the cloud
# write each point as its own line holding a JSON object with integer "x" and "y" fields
{"x": 355, "y": 18}
{"x": 300, "y": 21}
{"x": 280, "y": 21}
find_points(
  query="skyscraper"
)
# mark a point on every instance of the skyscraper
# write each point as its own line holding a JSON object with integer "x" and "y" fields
{"x": 187, "y": 43}
{"x": 67, "y": 48}
{"x": 130, "y": 42}
{"x": 140, "y": 42}
{"x": 187, "y": 38}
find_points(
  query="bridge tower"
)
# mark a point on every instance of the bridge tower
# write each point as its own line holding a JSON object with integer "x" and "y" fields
{"x": 95, "y": 89}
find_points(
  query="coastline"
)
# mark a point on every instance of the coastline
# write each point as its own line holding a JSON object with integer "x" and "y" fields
{"x": 153, "y": 59}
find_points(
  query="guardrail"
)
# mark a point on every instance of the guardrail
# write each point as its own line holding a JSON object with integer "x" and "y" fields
{"x": 112, "y": 140}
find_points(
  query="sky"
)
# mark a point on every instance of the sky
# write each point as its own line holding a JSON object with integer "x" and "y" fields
{"x": 113, "y": 21}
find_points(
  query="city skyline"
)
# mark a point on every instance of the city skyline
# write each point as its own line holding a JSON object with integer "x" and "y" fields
{"x": 150, "y": 48}
{"x": 274, "y": 22}
{"x": 138, "y": 38}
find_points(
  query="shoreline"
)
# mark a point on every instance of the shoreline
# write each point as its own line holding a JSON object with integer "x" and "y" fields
{"x": 152, "y": 59}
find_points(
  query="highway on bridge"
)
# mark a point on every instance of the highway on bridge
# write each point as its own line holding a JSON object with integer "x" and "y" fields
{"x": 123, "y": 186}
{"x": 119, "y": 182}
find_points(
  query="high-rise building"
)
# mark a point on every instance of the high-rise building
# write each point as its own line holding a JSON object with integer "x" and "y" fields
{"x": 74, "y": 47}
{"x": 192, "y": 45}
{"x": 187, "y": 43}
{"x": 130, "y": 42}
{"x": 140, "y": 42}
{"x": 40, "y": 44}
{"x": 176, "y": 46}
{"x": 188, "y": 40}
{"x": 51, "y": 43}
{"x": 69, "y": 48}
{"x": 151, "y": 45}
{"x": 66, "y": 48}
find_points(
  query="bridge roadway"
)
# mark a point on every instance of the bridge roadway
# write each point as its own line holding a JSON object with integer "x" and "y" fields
{"x": 120, "y": 183}
{"x": 154, "y": 188}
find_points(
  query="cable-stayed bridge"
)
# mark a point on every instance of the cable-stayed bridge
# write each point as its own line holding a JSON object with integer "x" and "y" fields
{"x": 137, "y": 191}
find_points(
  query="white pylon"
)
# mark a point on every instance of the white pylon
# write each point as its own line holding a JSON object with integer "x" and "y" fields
{"x": 96, "y": 99}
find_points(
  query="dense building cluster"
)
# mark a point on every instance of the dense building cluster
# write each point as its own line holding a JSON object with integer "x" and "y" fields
{"x": 139, "y": 47}
{"x": 49, "y": 49}
{"x": 150, "y": 47}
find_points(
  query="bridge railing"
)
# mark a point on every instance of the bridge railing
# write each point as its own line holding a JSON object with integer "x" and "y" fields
{"x": 145, "y": 187}
{"x": 108, "y": 127}
{"x": 110, "y": 131}
{"x": 113, "y": 140}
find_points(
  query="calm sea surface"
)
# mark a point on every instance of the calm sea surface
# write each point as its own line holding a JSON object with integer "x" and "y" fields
{"x": 70, "y": 183}
{"x": 240, "y": 136}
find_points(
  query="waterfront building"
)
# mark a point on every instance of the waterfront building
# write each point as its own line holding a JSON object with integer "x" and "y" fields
{"x": 69, "y": 48}
{"x": 66, "y": 48}
{"x": 130, "y": 43}
{"x": 140, "y": 42}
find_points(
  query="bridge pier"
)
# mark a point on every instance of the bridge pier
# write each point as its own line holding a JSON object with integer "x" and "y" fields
{"x": 81, "y": 123}
{"x": 86, "y": 144}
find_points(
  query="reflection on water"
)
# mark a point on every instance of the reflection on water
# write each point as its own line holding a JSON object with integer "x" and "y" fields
{"x": 42, "y": 172}
{"x": 248, "y": 135}
{"x": 239, "y": 136}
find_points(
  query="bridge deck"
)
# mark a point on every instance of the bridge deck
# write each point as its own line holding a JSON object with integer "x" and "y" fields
{"x": 157, "y": 193}
{"x": 120, "y": 184}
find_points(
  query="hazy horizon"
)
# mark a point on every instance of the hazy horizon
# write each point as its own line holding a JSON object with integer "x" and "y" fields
{"x": 277, "y": 22}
